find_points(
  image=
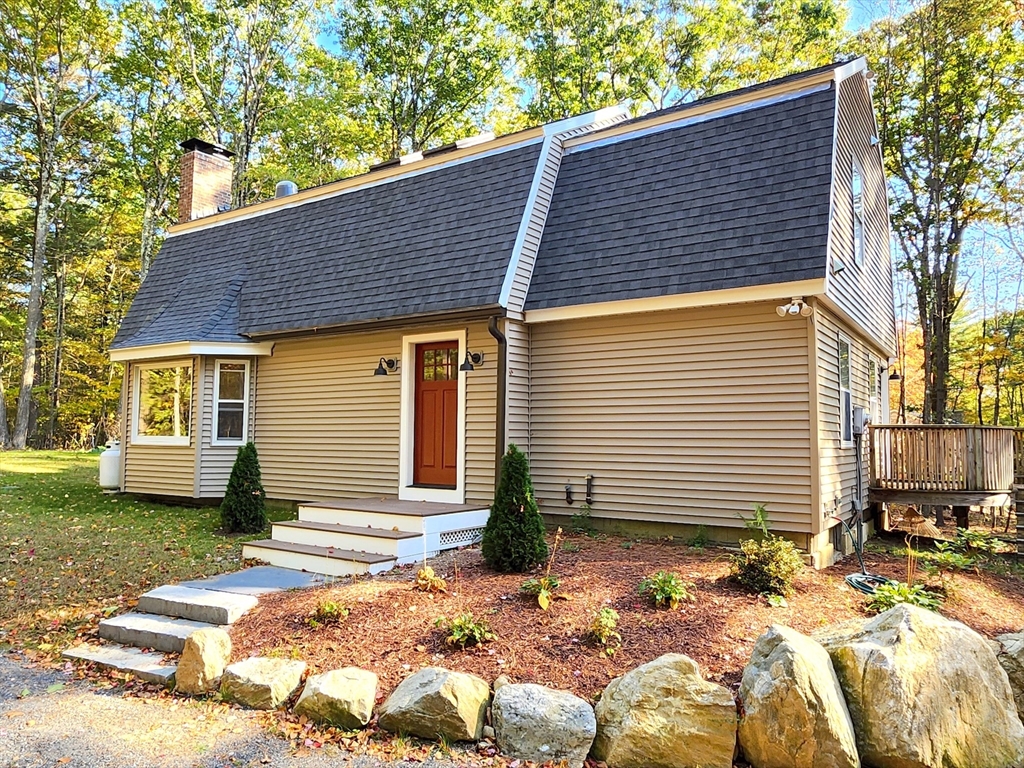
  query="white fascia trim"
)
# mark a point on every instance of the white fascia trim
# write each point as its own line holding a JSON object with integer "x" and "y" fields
{"x": 832, "y": 193}
{"x": 407, "y": 424}
{"x": 850, "y": 68}
{"x": 370, "y": 182}
{"x": 773, "y": 292}
{"x": 190, "y": 348}
{"x": 585, "y": 142}
{"x": 862, "y": 332}
{"x": 608, "y": 114}
{"x": 528, "y": 212}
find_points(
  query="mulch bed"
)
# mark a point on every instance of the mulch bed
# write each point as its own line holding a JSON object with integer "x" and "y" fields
{"x": 390, "y": 628}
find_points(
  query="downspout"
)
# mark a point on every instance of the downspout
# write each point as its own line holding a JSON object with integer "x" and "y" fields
{"x": 499, "y": 420}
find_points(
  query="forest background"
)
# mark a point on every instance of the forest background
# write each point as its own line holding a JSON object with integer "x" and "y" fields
{"x": 95, "y": 98}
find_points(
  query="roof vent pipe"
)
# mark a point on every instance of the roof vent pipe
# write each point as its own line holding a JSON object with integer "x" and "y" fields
{"x": 285, "y": 188}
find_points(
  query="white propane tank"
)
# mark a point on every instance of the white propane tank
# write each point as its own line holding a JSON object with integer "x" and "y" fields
{"x": 110, "y": 467}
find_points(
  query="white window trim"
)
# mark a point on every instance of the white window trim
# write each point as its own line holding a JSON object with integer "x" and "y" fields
{"x": 858, "y": 255}
{"x": 875, "y": 393}
{"x": 214, "y": 440}
{"x": 843, "y": 443}
{"x": 407, "y": 430}
{"x": 138, "y": 368}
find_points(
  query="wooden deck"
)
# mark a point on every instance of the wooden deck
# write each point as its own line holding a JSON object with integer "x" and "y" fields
{"x": 955, "y": 465}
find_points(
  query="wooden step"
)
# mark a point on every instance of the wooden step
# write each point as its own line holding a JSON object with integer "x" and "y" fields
{"x": 380, "y": 541}
{"x": 315, "y": 559}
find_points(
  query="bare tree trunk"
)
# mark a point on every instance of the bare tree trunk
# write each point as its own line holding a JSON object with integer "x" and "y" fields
{"x": 4, "y": 436}
{"x": 58, "y": 353}
{"x": 34, "y": 316}
{"x": 148, "y": 236}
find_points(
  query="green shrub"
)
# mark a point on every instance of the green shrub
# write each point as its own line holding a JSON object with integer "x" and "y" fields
{"x": 243, "y": 509}
{"x": 465, "y": 630}
{"x": 580, "y": 521}
{"x": 602, "y": 629}
{"x": 976, "y": 541}
{"x": 767, "y": 566}
{"x": 666, "y": 590}
{"x": 889, "y": 595}
{"x": 513, "y": 540}
{"x": 326, "y": 614}
{"x": 700, "y": 538}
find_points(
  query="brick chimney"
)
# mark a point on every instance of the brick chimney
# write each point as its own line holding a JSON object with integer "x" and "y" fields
{"x": 205, "y": 180}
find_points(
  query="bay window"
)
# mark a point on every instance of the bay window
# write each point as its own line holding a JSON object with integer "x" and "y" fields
{"x": 163, "y": 403}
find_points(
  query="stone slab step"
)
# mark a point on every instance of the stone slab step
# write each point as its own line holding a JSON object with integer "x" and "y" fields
{"x": 196, "y": 604}
{"x": 147, "y": 630}
{"x": 314, "y": 559}
{"x": 143, "y": 664}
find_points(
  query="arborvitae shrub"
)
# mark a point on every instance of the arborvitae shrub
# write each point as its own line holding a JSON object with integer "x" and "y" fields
{"x": 513, "y": 540}
{"x": 243, "y": 509}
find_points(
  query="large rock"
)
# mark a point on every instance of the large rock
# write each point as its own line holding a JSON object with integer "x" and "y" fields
{"x": 664, "y": 715}
{"x": 1011, "y": 656}
{"x": 435, "y": 702}
{"x": 535, "y": 723}
{"x": 341, "y": 697}
{"x": 793, "y": 714}
{"x": 925, "y": 692}
{"x": 206, "y": 654}
{"x": 260, "y": 683}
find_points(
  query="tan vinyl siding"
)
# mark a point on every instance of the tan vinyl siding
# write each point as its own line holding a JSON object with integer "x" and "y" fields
{"x": 864, "y": 291}
{"x": 165, "y": 470}
{"x": 215, "y": 461}
{"x": 517, "y": 404}
{"x": 839, "y": 464}
{"x": 688, "y": 416}
{"x": 326, "y": 427}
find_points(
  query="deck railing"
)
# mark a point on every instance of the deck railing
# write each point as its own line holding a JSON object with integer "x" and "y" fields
{"x": 1018, "y": 456}
{"x": 940, "y": 457}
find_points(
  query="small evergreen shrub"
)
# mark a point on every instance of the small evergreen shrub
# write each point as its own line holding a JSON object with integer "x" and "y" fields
{"x": 768, "y": 566}
{"x": 465, "y": 630}
{"x": 890, "y": 595}
{"x": 666, "y": 590}
{"x": 243, "y": 509}
{"x": 513, "y": 540}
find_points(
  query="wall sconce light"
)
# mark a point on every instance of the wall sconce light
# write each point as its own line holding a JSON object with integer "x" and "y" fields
{"x": 837, "y": 265}
{"x": 895, "y": 375}
{"x": 795, "y": 307}
{"x": 472, "y": 358}
{"x": 875, "y": 141}
{"x": 386, "y": 364}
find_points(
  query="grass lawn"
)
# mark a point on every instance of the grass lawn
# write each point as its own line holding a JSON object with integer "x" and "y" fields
{"x": 72, "y": 554}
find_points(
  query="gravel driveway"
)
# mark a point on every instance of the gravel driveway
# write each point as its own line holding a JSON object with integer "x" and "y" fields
{"x": 78, "y": 726}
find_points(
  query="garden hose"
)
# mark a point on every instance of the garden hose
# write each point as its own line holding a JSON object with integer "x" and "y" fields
{"x": 863, "y": 582}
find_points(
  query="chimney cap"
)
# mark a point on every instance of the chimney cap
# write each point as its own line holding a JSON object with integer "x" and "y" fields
{"x": 198, "y": 145}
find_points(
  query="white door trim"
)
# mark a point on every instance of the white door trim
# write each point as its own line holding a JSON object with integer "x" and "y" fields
{"x": 407, "y": 428}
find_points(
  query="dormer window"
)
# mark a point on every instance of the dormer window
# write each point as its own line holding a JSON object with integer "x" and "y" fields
{"x": 857, "y": 192}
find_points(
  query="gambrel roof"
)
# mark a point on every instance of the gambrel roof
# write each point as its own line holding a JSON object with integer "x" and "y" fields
{"x": 732, "y": 191}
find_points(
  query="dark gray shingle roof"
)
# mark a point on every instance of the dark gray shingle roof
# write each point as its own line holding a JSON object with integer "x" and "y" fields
{"x": 734, "y": 201}
{"x": 431, "y": 242}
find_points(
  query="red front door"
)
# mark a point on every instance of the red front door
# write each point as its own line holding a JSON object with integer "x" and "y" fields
{"x": 437, "y": 414}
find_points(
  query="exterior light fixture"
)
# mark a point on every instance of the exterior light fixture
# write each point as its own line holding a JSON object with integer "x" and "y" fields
{"x": 386, "y": 364}
{"x": 895, "y": 375}
{"x": 795, "y": 307}
{"x": 837, "y": 265}
{"x": 472, "y": 359}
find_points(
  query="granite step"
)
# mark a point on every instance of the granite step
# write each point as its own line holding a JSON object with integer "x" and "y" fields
{"x": 204, "y": 605}
{"x": 144, "y": 665}
{"x": 148, "y": 630}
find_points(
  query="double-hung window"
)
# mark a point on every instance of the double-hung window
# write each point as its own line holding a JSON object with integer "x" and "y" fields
{"x": 845, "y": 395}
{"x": 162, "y": 412}
{"x": 230, "y": 402}
{"x": 875, "y": 377}
{"x": 857, "y": 194}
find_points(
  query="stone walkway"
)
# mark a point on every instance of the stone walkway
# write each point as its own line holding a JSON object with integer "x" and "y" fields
{"x": 81, "y": 727}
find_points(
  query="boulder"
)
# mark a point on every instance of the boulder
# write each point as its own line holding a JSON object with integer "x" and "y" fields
{"x": 793, "y": 714}
{"x": 203, "y": 659}
{"x": 924, "y": 691}
{"x": 436, "y": 702}
{"x": 260, "y": 683}
{"x": 663, "y": 714}
{"x": 1011, "y": 657}
{"x": 341, "y": 697}
{"x": 535, "y": 723}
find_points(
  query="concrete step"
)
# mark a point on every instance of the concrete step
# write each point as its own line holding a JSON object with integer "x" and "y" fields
{"x": 313, "y": 559}
{"x": 144, "y": 665}
{"x": 381, "y": 541}
{"x": 196, "y": 604}
{"x": 147, "y": 630}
